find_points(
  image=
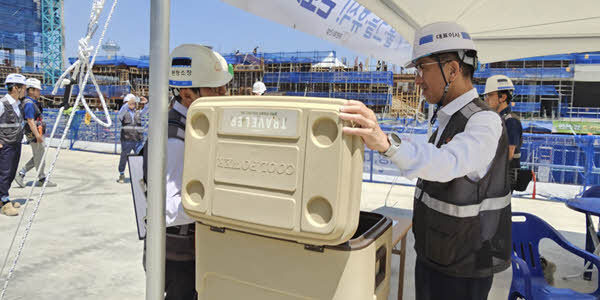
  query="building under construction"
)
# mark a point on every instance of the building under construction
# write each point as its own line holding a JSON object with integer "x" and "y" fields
{"x": 311, "y": 74}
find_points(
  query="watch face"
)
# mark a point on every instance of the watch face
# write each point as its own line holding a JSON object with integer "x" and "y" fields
{"x": 395, "y": 138}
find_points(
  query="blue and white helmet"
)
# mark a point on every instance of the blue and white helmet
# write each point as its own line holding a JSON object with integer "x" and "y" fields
{"x": 15, "y": 79}
{"x": 443, "y": 37}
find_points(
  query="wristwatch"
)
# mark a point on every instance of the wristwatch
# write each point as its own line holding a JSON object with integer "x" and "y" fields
{"x": 395, "y": 142}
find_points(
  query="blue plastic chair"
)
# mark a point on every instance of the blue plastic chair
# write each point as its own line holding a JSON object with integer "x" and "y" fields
{"x": 528, "y": 278}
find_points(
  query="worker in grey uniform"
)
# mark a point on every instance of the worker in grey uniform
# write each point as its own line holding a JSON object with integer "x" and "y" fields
{"x": 11, "y": 135}
{"x": 196, "y": 72}
{"x": 462, "y": 214}
{"x": 34, "y": 130}
{"x": 132, "y": 131}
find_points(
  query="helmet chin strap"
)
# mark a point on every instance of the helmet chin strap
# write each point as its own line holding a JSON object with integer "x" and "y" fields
{"x": 441, "y": 102}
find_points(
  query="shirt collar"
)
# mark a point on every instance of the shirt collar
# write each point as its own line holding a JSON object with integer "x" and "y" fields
{"x": 34, "y": 101}
{"x": 10, "y": 99}
{"x": 451, "y": 108}
{"x": 180, "y": 108}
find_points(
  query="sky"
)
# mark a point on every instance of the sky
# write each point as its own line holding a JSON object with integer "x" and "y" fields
{"x": 207, "y": 22}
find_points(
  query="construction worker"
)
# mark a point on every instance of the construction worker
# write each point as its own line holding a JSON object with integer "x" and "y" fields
{"x": 196, "y": 72}
{"x": 258, "y": 88}
{"x": 498, "y": 95}
{"x": 132, "y": 131}
{"x": 11, "y": 134}
{"x": 462, "y": 214}
{"x": 34, "y": 130}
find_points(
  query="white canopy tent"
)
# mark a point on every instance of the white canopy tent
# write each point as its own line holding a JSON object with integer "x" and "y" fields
{"x": 502, "y": 29}
{"x": 329, "y": 62}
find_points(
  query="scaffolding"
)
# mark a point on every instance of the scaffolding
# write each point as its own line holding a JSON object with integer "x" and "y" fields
{"x": 117, "y": 76}
{"x": 310, "y": 74}
{"x": 406, "y": 101}
{"x": 543, "y": 85}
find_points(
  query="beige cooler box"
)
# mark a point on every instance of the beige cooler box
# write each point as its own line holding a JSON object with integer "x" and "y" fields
{"x": 276, "y": 188}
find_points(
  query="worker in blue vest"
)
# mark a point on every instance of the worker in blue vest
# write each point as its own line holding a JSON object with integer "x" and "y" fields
{"x": 11, "y": 135}
{"x": 132, "y": 131}
{"x": 462, "y": 212}
{"x": 34, "y": 130}
{"x": 498, "y": 94}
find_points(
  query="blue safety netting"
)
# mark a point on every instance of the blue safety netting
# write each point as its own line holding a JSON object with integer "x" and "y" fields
{"x": 578, "y": 58}
{"x": 93, "y": 132}
{"x": 580, "y": 112}
{"x": 107, "y": 90}
{"x": 140, "y": 62}
{"x": 330, "y": 77}
{"x": 20, "y": 29}
{"x": 278, "y": 57}
{"x": 537, "y": 126}
{"x": 565, "y": 159}
{"x": 526, "y": 89}
{"x": 525, "y": 106}
{"x": 367, "y": 98}
{"x": 525, "y": 73}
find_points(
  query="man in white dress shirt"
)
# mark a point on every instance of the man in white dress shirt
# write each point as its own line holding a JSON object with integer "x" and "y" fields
{"x": 462, "y": 215}
{"x": 196, "y": 72}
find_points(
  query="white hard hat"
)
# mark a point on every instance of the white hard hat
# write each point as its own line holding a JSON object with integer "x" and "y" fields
{"x": 197, "y": 66}
{"x": 33, "y": 83}
{"x": 130, "y": 97}
{"x": 15, "y": 78}
{"x": 259, "y": 88}
{"x": 442, "y": 37}
{"x": 498, "y": 83}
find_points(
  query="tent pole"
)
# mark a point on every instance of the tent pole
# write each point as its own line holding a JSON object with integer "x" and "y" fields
{"x": 157, "y": 143}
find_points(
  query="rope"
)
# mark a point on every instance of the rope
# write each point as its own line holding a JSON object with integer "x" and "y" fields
{"x": 83, "y": 63}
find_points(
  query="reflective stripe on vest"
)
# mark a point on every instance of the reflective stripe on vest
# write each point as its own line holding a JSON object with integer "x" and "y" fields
{"x": 133, "y": 127}
{"x": 517, "y": 155}
{"x": 10, "y": 125}
{"x": 463, "y": 211}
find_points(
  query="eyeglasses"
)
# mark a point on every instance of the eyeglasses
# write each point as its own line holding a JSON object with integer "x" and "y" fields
{"x": 488, "y": 95}
{"x": 419, "y": 67}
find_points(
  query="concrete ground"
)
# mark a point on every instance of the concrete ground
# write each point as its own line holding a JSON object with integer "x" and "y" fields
{"x": 83, "y": 243}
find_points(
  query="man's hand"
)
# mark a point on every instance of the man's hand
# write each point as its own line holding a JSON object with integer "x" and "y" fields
{"x": 40, "y": 139}
{"x": 369, "y": 130}
{"x": 143, "y": 100}
{"x": 0, "y": 146}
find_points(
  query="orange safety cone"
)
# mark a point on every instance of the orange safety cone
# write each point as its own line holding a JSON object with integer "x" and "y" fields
{"x": 533, "y": 175}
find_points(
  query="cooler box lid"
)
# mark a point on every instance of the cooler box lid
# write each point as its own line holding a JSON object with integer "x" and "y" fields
{"x": 273, "y": 165}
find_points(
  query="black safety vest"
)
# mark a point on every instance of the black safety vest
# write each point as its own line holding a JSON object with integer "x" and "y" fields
{"x": 462, "y": 227}
{"x": 179, "y": 239}
{"x": 11, "y": 124}
{"x": 131, "y": 128}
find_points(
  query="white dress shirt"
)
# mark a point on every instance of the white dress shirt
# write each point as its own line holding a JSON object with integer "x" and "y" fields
{"x": 469, "y": 153}
{"x": 174, "y": 214}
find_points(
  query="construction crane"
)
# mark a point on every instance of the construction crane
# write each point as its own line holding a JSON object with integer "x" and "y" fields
{"x": 52, "y": 39}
